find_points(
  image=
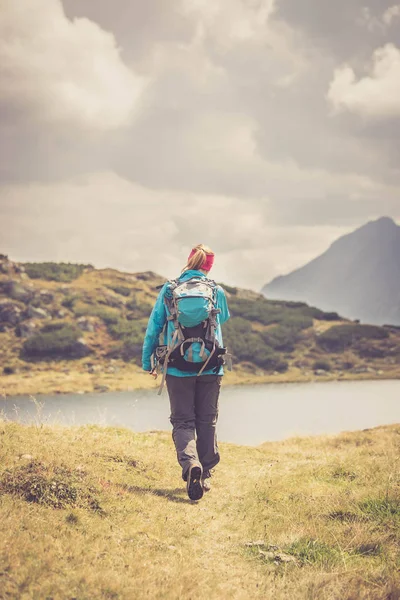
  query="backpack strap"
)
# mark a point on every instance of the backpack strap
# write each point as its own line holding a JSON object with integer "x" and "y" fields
{"x": 171, "y": 347}
{"x": 190, "y": 352}
{"x": 208, "y": 360}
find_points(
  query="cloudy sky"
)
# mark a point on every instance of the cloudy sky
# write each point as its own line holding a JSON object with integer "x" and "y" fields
{"x": 132, "y": 130}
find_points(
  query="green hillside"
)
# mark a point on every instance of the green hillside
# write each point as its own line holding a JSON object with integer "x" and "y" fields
{"x": 68, "y": 327}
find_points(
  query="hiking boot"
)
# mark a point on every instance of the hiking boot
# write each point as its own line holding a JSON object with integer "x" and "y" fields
{"x": 194, "y": 485}
{"x": 206, "y": 485}
{"x": 205, "y": 480}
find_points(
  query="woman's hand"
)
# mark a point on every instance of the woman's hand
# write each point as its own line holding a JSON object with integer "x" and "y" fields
{"x": 154, "y": 373}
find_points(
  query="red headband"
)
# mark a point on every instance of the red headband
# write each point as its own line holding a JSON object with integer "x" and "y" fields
{"x": 207, "y": 263}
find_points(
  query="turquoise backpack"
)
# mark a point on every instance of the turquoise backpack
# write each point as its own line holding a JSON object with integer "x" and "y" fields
{"x": 193, "y": 310}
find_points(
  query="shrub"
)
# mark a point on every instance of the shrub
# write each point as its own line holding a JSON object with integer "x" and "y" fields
{"x": 60, "y": 342}
{"x": 321, "y": 365}
{"x": 330, "y": 316}
{"x": 247, "y": 345}
{"x": 296, "y": 315}
{"x": 139, "y": 309}
{"x": 364, "y": 351}
{"x": 122, "y": 290}
{"x": 320, "y": 315}
{"x": 123, "y": 329}
{"x": 281, "y": 337}
{"x": 56, "y": 487}
{"x": 69, "y": 301}
{"x": 288, "y": 303}
{"x": 55, "y": 326}
{"x": 51, "y": 271}
{"x": 346, "y": 365}
{"x": 340, "y": 337}
{"x": 130, "y": 334}
{"x": 127, "y": 351}
{"x": 231, "y": 290}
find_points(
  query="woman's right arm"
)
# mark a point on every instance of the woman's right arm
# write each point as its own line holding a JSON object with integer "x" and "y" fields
{"x": 155, "y": 326}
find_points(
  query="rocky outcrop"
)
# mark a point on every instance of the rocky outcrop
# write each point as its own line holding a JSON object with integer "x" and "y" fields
{"x": 85, "y": 324}
{"x": 36, "y": 313}
{"x": 26, "y": 329}
{"x": 80, "y": 349}
{"x": 10, "y": 314}
{"x": 15, "y": 290}
{"x": 111, "y": 301}
{"x": 45, "y": 296}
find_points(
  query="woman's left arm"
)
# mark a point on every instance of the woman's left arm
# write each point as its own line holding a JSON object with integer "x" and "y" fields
{"x": 222, "y": 304}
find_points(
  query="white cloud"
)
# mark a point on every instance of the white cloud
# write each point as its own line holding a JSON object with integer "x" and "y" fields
{"x": 390, "y": 14}
{"x": 238, "y": 28}
{"x": 234, "y": 20}
{"x": 108, "y": 221}
{"x": 368, "y": 20}
{"x": 375, "y": 95}
{"x": 61, "y": 70}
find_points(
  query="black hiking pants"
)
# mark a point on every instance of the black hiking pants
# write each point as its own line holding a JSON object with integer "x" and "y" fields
{"x": 194, "y": 415}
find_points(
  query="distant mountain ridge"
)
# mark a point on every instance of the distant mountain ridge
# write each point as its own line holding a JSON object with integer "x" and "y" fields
{"x": 358, "y": 276}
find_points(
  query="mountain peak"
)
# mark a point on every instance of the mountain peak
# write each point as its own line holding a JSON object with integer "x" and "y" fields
{"x": 383, "y": 222}
{"x": 358, "y": 276}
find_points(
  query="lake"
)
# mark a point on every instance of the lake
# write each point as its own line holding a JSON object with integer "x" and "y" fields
{"x": 249, "y": 415}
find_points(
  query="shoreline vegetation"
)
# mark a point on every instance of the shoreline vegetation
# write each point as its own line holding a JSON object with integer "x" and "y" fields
{"x": 119, "y": 377}
{"x": 70, "y": 328}
{"x": 102, "y": 512}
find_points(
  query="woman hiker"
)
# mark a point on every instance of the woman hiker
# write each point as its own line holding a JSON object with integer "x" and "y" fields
{"x": 191, "y": 310}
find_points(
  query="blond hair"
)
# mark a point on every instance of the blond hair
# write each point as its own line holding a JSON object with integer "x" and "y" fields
{"x": 198, "y": 258}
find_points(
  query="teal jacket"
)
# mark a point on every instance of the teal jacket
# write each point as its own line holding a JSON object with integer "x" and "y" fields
{"x": 158, "y": 318}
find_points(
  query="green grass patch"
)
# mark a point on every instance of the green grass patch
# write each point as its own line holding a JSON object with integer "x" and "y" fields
{"x": 108, "y": 315}
{"x": 309, "y": 551}
{"x": 51, "y": 271}
{"x": 381, "y": 509}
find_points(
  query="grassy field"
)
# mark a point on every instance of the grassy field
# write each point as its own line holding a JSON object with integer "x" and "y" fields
{"x": 102, "y": 513}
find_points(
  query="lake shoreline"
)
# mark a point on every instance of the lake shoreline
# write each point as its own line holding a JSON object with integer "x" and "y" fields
{"x": 249, "y": 414}
{"x": 57, "y": 382}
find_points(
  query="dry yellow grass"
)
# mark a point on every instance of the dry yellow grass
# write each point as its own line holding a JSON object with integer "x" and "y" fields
{"x": 308, "y": 518}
